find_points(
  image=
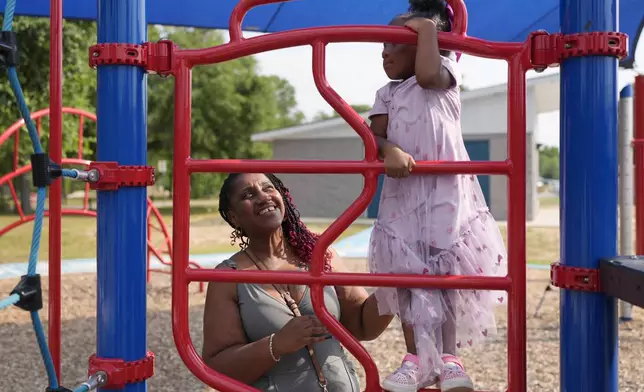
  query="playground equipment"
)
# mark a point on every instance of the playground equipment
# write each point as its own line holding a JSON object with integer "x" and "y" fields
{"x": 589, "y": 187}
{"x": 155, "y": 223}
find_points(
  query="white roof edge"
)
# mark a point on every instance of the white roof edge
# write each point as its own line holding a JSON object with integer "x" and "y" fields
{"x": 269, "y": 136}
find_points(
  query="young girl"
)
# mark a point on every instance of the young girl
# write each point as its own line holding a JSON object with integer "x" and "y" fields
{"x": 430, "y": 224}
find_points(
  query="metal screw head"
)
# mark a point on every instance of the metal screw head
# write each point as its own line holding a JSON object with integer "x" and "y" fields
{"x": 93, "y": 175}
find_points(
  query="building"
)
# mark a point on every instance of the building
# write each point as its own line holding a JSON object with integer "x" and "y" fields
{"x": 484, "y": 123}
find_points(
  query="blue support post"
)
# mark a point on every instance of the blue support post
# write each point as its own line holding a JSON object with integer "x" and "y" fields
{"x": 121, "y": 233}
{"x": 588, "y": 200}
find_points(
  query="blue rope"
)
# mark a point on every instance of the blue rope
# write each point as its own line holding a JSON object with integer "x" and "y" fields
{"x": 70, "y": 173}
{"x": 40, "y": 204}
{"x": 44, "y": 350}
{"x": 10, "y": 300}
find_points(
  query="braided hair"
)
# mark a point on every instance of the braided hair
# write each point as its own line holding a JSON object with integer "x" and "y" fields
{"x": 295, "y": 231}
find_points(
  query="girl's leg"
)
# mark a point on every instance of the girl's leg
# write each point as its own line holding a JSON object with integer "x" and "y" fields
{"x": 410, "y": 342}
{"x": 453, "y": 377}
{"x": 408, "y": 376}
{"x": 448, "y": 330}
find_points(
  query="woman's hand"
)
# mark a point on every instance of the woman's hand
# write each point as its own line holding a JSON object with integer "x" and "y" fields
{"x": 398, "y": 163}
{"x": 297, "y": 333}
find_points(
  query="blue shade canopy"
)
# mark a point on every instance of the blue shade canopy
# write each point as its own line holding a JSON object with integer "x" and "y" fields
{"x": 498, "y": 20}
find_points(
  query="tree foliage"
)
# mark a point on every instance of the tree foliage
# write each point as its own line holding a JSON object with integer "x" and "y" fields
{"x": 79, "y": 88}
{"x": 230, "y": 101}
{"x": 79, "y": 91}
{"x": 549, "y": 162}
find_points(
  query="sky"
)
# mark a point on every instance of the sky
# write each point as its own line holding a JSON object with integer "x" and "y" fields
{"x": 354, "y": 70}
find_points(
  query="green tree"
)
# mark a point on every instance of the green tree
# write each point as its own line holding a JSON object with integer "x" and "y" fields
{"x": 549, "y": 162}
{"x": 33, "y": 72}
{"x": 230, "y": 102}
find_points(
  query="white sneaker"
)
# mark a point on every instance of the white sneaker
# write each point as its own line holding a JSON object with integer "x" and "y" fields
{"x": 453, "y": 377}
{"x": 406, "y": 377}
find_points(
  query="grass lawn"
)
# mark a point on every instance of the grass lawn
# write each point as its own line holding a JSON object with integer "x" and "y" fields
{"x": 549, "y": 201}
{"x": 208, "y": 234}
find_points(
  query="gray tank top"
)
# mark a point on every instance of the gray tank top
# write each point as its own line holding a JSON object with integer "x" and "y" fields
{"x": 262, "y": 314}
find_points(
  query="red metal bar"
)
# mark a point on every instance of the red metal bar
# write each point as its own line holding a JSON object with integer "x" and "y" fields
{"x": 340, "y": 167}
{"x": 264, "y": 43}
{"x": 351, "y": 279}
{"x": 15, "y": 127}
{"x": 16, "y": 201}
{"x": 638, "y": 156}
{"x": 516, "y": 230}
{"x": 16, "y": 150}
{"x": 242, "y": 8}
{"x": 55, "y": 154}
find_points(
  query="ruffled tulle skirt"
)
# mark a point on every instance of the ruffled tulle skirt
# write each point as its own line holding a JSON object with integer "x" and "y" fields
{"x": 477, "y": 251}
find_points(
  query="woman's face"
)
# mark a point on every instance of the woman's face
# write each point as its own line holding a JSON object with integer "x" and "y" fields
{"x": 256, "y": 206}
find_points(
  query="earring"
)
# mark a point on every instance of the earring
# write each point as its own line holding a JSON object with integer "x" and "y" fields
{"x": 238, "y": 234}
{"x": 234, "y": 236}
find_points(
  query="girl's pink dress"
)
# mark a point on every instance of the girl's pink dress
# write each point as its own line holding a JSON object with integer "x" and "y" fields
{"x": 434, "y": 224}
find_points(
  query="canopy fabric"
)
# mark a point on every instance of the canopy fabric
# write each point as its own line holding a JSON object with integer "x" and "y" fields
{"x": 499, "y": 20}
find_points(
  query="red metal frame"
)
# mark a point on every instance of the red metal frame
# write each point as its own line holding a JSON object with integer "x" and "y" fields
{"x": 638, "y": 157}
{"x": 55, "y": 189}
{"x": 518, "y": 56}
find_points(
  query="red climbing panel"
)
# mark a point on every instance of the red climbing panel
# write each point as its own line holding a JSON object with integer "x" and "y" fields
{"x": 519, "y": 58}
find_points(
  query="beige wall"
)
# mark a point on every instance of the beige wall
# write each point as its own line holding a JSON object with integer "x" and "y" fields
{"x": 499, "y": 184}
{"x": 321, "y": 195}
{"x": 328, "y": 195}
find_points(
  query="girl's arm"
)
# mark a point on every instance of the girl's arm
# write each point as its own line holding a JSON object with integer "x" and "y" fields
{"x": 379, "y": 128}
{"x": 429, "y": 71}
{"x": 225, "y": 347}
{"x": 359, "y": 310}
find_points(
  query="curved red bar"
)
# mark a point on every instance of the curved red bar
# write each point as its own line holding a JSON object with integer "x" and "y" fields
{"x": 288, "y": 39}
{"x": 338, "y": 104}
{"x": 239, "y": 13}
{"x": 242, "y": 8}
{"x": 460, "y": 17}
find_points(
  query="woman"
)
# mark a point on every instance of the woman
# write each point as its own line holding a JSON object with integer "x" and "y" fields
{"x": 267, "y": 335}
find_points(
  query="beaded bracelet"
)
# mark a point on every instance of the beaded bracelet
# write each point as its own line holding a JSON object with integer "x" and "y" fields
{"x": 270, "y": 348}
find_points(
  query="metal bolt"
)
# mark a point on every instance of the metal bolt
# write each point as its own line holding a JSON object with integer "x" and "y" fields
{"x": 93, "y": 175}
{"x": 96, "y": 380}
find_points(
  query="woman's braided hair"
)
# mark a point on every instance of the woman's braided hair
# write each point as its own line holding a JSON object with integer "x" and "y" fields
{"x": 295, "y": 231}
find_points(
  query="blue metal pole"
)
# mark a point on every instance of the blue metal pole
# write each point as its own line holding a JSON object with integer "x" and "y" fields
{"x": 588, "y": 144}
{"x": 121, "y": 232}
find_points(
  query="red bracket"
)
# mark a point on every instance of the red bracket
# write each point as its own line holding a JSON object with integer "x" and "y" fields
{"x": 637, "y": 142}
{"x": 119, "y": 373}
{"x": 155, "y": 57}
{"x": 548, "y": 50}
{"x": 574, "y": 278}
{"x": 109, "y": 176}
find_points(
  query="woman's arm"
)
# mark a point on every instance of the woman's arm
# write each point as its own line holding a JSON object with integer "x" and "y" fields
{"x": 225, "y": 347}
{"x": 359, "y": 310}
